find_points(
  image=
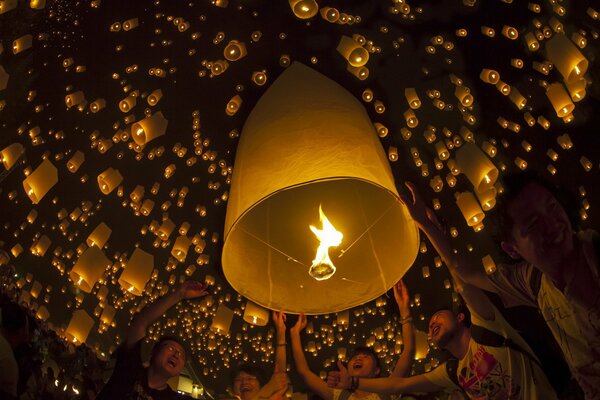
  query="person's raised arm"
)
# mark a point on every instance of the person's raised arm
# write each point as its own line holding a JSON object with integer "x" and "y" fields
{"x": 280, "y": 351}
{"x": 468, "y": 280}
{"x": 390, "y": 385}
{"x": 404, "y": 363}
{"x": 139, "y": 324}
{"x": 313, "y": 381}
{"x": 426, "y": 221}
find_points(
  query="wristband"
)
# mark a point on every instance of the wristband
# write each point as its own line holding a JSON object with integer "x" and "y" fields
{"x": 406, "y": 320}
{"x": 281, "y": 344}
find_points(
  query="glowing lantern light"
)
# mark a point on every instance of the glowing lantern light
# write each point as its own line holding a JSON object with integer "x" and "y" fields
{"x": 149, "y": 128}
{"x": 80, "y": 326}
{"x": 422, "y": 345}
{"x": 21, "y": 44}
{"x": 271, "y": 201}
{"x": 234, "y": 51}
{"x": 476, "y": 166}
{"x": 40, "y": 181}
{"x": 304, "y": 9}
{"x": 353, "y": 52}
{"x": 137, "y": 272}
{"x": 88, "y": 268}
{"x": 322, "y": 267}
{"x": 11, "y": 154}
{"x": 109, "y": 180}
{"x": 222, "y": 319}
{"x": 99, "y": 236}
{"x": 560, "y": 100}
{"x": 75, "y": 162}
{"x": 469, "y": 207}
{"x": 255, "y": 314}
{"x": 566, "y": 57}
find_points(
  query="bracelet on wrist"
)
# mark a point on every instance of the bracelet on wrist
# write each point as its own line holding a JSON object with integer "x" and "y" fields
{"x": 281, "y": 344}
{"x": 406, "y": 320}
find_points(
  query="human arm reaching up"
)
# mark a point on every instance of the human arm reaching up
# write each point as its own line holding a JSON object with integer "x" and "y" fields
{"x": 390, "y": 385}
{"x": 280, "y": 351}
{"x": 139, "y": 324}
{"x": 404, "y": 363}
{"x": 312, "y": 380}
{"x": 469, "y": 280}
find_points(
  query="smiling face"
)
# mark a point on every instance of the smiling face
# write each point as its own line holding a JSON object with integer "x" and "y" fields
{"x": 245, "y": 385}
{"x": 443, "y": 327}
{"x": 168, "y": 358}
{"x": 363, "y": 365}
{"x": 541, "y": 232}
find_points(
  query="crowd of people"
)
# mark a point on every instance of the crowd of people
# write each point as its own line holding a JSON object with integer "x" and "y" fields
{"x": 35, "y": 363}
{"x": 555, "y": 270}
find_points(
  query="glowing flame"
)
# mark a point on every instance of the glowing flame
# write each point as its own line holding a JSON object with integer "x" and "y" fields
{"x": 322, "y": 268}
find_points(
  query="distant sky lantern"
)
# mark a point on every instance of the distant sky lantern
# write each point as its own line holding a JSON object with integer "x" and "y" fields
{"x": 352, "y": 51}
{"x": 255, "y": 314}
{"x": 10, "y": 154}
{"x": 577, "y": 89}
{"x": 42, "y": 313}
{"x": 487, "y": 198}
{"x": 88, "y": 268}
{"x": 99, "y": 236}
{"x": 74, "y": 99}
{"x": 149, "y": 128}
{"x": 108, "y": 314}
{"x": 308, "y": 142}
{"x": 127, "y": 103}
{"x": 109, "y": 180}
{"x": 154, "y": 97}
{"x": 222, "y": 319}
{"x": 130, "y": 24}
{"x": 40, "y": 181}
{"x": 566, "y": 57}
{"x": 560, "y": 100}
{"x": 21, "y": 44}
{"x": 330, "y": 14}
{"x": 233, "y": 105}
{"x": 180, "y": 248}
{"x": 137, "y": 272}
{"x": 469, "y": 207}
{"x": 7, "y": 5}
{"x": 476, "y": 166}
{"x": 412, "y": 98}
{"x": 234, "y": 50}
{"x": 79, "y": 327}
{"x": 489, "y": 76}
{"x": 304, "y": 9}
{"x": 97, "y": 105}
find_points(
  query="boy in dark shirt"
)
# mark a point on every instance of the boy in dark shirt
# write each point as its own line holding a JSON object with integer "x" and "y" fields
{"x": 130, "y": 379}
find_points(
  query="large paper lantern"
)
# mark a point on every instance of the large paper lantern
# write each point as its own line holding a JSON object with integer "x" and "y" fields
{"x": 255, "y": 314}
{"x": 11, "y": 154}
{"x": 88, "y": 268}
{"x": 566, "y": 57}
{"x": 40, "y": 181}
{"x": 308, "y": 159}
{"x": 137, "y": 272}
{"x": 80, "y": 326}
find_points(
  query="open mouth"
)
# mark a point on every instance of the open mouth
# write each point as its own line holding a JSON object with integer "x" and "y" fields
{"x": 172, "y": 362}
{"x": 357, "y": 365}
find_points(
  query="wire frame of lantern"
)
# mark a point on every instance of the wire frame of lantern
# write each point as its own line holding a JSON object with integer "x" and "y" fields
{"x": 308, "y": 156}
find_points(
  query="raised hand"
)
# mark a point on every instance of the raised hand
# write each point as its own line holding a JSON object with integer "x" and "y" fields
{"x": 279, "y": 319}
{"x": 344, "y": 378}
{"x": 300, "y": 324}
{"x": 417, "y": 208}
{"x": 402, "y": 298}
{"x": 192, "y": 289}
{"x": 333, "y": 379}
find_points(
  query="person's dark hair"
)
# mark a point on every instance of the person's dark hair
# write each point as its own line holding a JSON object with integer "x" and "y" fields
{"x": 513, "y": 184}
{"x": 13, "y": 317}
{"x": 457, "y": 308}
{"x": 368, "y": 351}
{"x": 253, "y": 370}
{"x": 166, "y": 338}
